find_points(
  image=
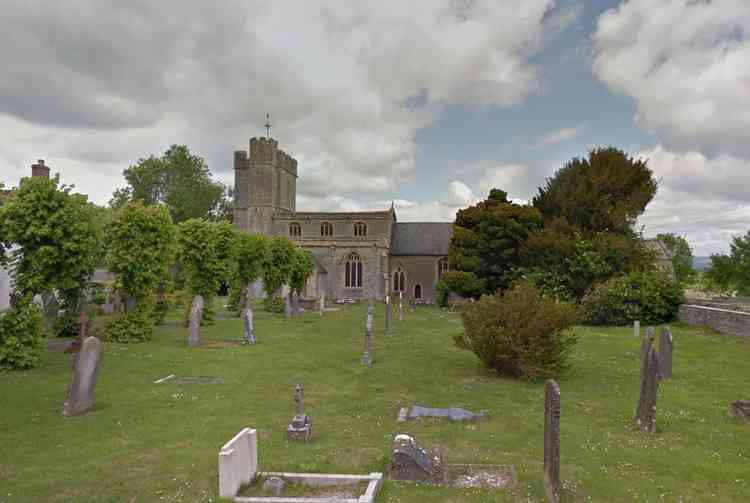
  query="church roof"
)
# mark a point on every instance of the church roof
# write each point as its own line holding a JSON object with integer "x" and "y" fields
{"x": 421, "y": 238}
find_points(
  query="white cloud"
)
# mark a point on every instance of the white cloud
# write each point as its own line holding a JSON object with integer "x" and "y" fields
{"x": 95, "y": 85}
{"x": 559, "y": 136}
{"x": 686, "y": 64}
{"x": 509, "y": 178}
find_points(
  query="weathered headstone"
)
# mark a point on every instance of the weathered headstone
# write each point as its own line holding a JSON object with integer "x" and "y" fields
{"x": 666, "y": 345}
{"x": 322, "y": 305}
{"x": 85, "y": 371}
{"x": 274, "y": 485}
{"x": 646, "y": 344}
{"x": 194, "y": 322}
{"x": 295, "y": 298}
{"x": 636, "y": 328}
{"x": 388, "y": 314}
{"x": 552, "y": 441}
{"x": 287, "y": 307}
{"x": 301, "y": 426}
{"x": 410, "y": 461}
{"x": 740, "y": 408}
{"x": 400, "y": 306}
{"x": 645, "y": 418}
{"x": 247, "y": 318}
{"x": 367, "y": 355}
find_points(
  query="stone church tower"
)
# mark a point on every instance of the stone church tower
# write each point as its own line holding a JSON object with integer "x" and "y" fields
{"x": 265, "y": 182}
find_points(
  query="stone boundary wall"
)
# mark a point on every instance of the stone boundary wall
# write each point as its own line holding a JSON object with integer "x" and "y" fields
{"x": 721, "y": 320}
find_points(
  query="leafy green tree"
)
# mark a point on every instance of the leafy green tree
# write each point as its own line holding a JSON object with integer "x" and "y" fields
{"x": 302, "y": 268}
{"x": 205, "y": 251}
{"x": 247, "y": 263}
{"x": 142, "y": 242}
{"x": 488, "y": 238}
{"x": 682, "y": 256}
{"x": 604, "y": 193}
{"x": 732, "y": 272}
{"x": 21, "y": 343}
{"x": 178, "y": 179}
{"x": 278, "y": 264}
{"x": 57, "y": 236}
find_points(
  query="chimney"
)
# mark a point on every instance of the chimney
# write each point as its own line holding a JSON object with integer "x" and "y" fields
{"x": 39, "y": 169}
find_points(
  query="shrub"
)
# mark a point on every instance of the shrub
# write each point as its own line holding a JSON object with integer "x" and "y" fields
{"x": 649, "y": 296}
{"x": 20, "y": 336}
{"x": 134, "y": 326}
{"x": 462, "y": 283}
{"x": 520, "y": 334}
{"x": 273, "y": 304}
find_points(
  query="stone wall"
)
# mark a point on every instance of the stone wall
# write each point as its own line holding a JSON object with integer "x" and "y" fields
{"x": 420, "y": 270}
{"x": 721, "y": 320}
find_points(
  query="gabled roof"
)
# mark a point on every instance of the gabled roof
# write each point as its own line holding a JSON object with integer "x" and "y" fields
{"x": 421, "y": 238}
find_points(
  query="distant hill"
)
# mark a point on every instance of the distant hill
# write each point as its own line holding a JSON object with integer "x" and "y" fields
{"x": 701, "y": 263}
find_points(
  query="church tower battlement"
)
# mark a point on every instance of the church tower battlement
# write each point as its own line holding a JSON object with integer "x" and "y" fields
{"x": 265, "y": 182}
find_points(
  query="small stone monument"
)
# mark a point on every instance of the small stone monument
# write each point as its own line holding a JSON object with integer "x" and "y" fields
{"x": 274, "y": 485}
{"x": 322, "y": 305}
{"x": 552, "y": 441}
{"x": 400, "y": 306}
{"x": 288, "y": 313}
{"x": 194, "y": 322}
{"x": 85, "y": 370}
{"x": 636, "y": 328}
{"x": 740, "y": 408}
{"x": 247, "y": 317}
{"x": 388, "y": 314}
{"x": 367, "y": 355}
{"x": 301, "y": 426}
{"x": 410, "y": 461}
{"x": 666, "y": 345}
{"x": 645, "y": 416}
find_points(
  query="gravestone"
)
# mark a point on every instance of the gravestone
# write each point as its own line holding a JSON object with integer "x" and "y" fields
{"x": 247, "y": 317}
{"x": 322, "y": 305}
{"x": 85, "y": 371}
{"x": 666, "y": 345}
{"x": 287, "y": 307}
{"x": 194, "y": 322}
{"x": 295, "y": 298}
{"x": 455, "y": 414}
{"x": 301, "y": 426}
{"x": 400, "y": 306}
{"x": 388, "y": 314}
{"x": 645, "y": 417}
{"x": 740, "y": 408}
{"x": 636, "y": 328}
{"x": 274, "y": 485}
{"x": 552, "y": 441}
{"x": 410, "y": 461}
{"x": 646, "y": 344}
{"x": 367, "y": 355}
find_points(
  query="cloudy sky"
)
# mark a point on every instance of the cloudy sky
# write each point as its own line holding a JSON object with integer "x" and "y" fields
{"x": 427, "y": 103}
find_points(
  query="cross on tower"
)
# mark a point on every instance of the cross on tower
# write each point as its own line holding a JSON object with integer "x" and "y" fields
{"x": 268, "y": 126}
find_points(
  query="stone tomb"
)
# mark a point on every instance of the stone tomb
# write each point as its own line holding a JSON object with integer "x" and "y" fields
{"x": 85, "y": 370}
{"x": 552, "y": 441}
{"x": 239, "y": 466}
{"x": 194, "y": 322}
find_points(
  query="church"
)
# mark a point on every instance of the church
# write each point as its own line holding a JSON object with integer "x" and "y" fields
{"x": 357, "y": 255}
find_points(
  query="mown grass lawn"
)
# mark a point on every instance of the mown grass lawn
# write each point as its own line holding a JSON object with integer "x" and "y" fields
{"x": 147, "y": 442}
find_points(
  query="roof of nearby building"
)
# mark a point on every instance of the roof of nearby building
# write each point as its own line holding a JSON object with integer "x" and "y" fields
{"x": 421, "y": 238}
{"x": 329, "y": 215}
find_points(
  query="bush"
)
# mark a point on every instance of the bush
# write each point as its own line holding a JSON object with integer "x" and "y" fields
{"x": 462, "y": 283}
{"x": 20, "y": 336}
{"x": 134, "y": 326}
{"x": 273, "y": 304}
{"x": 649, "y": 296}
{"x": 520, "y": 334}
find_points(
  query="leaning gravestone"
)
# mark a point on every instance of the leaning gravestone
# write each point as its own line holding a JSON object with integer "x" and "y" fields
{"x": 410, "y": 461}
{"x": 85, "y": 370}
{"x": 645, "y": 416}
{"x": 367, "y": 355}
{"x": 552, "y": 441}
{"x": 388, "y": 314}
{"x": 646, "y": 344}
{"x": 287, "y": 307}
{"x": 666, "y": 346}
{"x": 194, "y": 322}
{"x": 247, "y": 317}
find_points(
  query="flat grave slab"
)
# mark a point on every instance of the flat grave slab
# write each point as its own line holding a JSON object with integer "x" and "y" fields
{"x": 190, "y": 380}
{"x": 455, "y": 414}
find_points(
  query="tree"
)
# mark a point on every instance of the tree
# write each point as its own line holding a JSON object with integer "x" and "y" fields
{"x": 142, "y": 243}
{"x": 682, "y": 256}
{"x": 302, "y": 268}
{"x": 604, "y": 193}
{"x": 278, "y": 264}
{"x": 488, "y": 237}
{"x": 205, "y": 250}
{"x": 733, "y": 271}
{"x": 249, "y": 255}
{"x": 178, "y": 179}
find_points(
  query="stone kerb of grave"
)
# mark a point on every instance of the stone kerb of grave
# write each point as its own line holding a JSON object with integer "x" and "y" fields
{"x": 552, "y": 441}
{"x": 83, "y": 383}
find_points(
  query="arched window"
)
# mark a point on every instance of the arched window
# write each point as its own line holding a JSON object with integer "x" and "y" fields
{"x": 353, "y": 272}
{"x": 360, "y": 229}
{"x": 399, "y": 279}
{"x": 295, "y": 230}
{"x": 442, "y": 267}
{"x": 326, "y": 229}
{"x": 417, "y": 291}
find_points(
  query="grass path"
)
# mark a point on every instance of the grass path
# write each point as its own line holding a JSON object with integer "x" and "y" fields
{"x": 144, "y": 442}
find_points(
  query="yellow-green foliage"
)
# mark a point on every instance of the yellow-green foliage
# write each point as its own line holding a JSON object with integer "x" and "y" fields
{"x": 20, "y": 336}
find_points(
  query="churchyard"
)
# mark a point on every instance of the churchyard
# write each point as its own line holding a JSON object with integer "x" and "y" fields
{"x": 146, "y": 441}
